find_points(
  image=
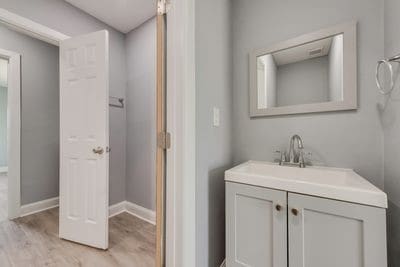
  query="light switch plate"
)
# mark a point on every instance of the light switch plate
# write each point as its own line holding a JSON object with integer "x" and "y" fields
{"x": 216, "y": 117}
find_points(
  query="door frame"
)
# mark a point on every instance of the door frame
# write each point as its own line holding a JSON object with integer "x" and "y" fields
{"x": 13, "y": 132}
{"x": 43, "y": 33}
{"x": 181, "y": 123}
{"x": 161, "y": 141}
{"x": 174, "y": 233}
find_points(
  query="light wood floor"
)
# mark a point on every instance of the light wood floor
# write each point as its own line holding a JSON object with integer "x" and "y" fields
{"x": 33, "y": 241}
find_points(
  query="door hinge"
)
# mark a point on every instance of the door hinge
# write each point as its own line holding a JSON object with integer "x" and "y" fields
{"x": 164, "y": 140}
{"x": 163, "y": 6}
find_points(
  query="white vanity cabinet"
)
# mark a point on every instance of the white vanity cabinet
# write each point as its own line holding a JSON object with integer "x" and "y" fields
{"x": 256, "y": 226}
{"x": 331, "y": 233}
{"x": 278, "y": 228}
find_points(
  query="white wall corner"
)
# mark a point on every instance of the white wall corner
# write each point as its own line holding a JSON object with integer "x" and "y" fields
{"x": 116, "y": 209}
{"x": 133, "y": 209}
{"x": 141, "y": 212}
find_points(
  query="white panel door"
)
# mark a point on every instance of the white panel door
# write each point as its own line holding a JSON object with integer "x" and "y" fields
{"x": 84, "y": 158}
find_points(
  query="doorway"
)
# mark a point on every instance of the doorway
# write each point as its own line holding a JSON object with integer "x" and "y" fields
{"x": 9, "y": 134}
{"x": 3, "y": 140}
{"x": 54, "y": 38}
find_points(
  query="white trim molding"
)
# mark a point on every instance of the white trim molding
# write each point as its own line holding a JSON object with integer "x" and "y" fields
{"x": 13, "y": 132}
{"x": 181, "y": 123}
{"x": 116, "y": 209}
{"x": 39, "y": 206}
{"x": 141, "y": 212}
{"x": 133, "y": 209}
{"x": 31, "y": 28}
{"x": 123, "y": 206}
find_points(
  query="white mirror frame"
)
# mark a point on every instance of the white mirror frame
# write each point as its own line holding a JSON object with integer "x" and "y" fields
{"x": 349, "y": 31}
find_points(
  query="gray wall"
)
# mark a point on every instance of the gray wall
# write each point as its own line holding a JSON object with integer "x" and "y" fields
{"x": 141, "y": 115}
{"x": 345, "y": 139}
{"x": 213, "y": 144}
{"x": 39, "y": 114}
{"x": 391, "y": 126}
{"x": 61, "y": 16}
{"x": 3, "y": 126}
{"x": 303, "y": 82}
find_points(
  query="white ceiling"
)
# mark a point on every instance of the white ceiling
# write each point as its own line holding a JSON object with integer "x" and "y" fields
{"x": 302, "y": 52}
{"x": 123, "y": 15}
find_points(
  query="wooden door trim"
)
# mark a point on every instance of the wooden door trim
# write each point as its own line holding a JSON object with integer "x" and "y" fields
{"x": 31, "y": 28}
{"x": 161, "y": 155}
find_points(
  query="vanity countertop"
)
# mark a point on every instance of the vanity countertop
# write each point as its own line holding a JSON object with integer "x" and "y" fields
{"x": 333, "y": 183}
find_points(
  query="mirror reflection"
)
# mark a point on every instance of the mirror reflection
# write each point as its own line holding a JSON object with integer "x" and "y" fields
{"x": 304, "y": 74}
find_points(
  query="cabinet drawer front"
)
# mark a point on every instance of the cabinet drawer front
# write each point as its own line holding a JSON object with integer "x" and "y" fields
{"x": 332, "y": 233}
{"x": 256, "y": 225}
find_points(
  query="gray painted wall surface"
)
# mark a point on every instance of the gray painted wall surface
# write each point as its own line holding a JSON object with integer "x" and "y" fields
{"x": 391, "y": 127}
{"x": 3, "y": 126}
{"x": 351, "y": 139}
{"x": 303, "y": 82}
{"x": 65, "y": 18}
{"x": 39, "y": 115}
{"x": 141, "y": 115}
{"x": 213, "y": 144}
{"x": 345, "y": 139}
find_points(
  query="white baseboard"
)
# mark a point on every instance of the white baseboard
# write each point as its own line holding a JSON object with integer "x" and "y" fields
{"x": 124, "y": 206}
{"x": 3, "y": 169}
{"x": 117, "y": 209}
{"x": 133, "y": 209}
{"x": 38, "y": 206}
{"x": 141, "y": 212}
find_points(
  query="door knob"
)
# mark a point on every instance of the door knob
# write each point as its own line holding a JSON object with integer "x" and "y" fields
{"x": 295, "y": 212}
{"x": 278, "y": 207}
{"x": 98, "y": 150}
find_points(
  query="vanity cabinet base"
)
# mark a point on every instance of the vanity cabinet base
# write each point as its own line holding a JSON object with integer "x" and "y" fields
{"x": 267, "y": 227}
{"x": 256, "y": 233}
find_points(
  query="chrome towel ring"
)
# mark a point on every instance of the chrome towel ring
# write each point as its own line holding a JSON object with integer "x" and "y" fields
{"x": 387, "y": 63}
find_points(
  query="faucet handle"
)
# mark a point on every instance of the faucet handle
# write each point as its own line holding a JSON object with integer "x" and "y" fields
{"x": 280, "y": 156}
{"x": 277, "y": 155}
{"x": 283, "y": 156}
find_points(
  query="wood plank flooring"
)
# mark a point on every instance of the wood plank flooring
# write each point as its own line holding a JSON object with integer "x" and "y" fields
{"x": 33, "y": 241}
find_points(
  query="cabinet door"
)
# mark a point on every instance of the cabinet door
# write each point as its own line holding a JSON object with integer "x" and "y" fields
{"x": 332, "y": 233}
{"x": 256, "y": 225}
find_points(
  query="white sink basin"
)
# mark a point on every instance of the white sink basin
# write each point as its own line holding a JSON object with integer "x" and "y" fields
{"x": 334, "y": 183}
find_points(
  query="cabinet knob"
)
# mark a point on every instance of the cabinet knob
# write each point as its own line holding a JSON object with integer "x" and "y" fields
{"x": 278, "y": 207}
{"x": 295, "y": 212}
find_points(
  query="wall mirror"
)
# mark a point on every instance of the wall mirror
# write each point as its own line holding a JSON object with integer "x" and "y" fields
{"x": 315, "y": 72}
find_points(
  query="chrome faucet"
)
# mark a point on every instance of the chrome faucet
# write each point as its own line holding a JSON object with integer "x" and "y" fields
{"x": 296, "y": 156}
